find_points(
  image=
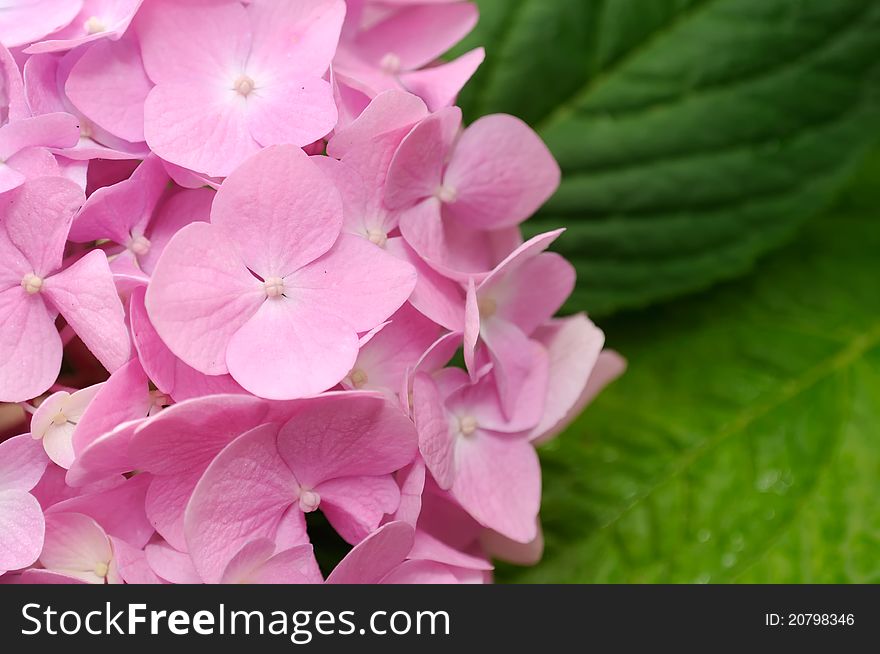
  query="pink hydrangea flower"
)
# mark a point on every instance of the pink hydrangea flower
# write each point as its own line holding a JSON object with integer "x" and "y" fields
{"x": 22, "y": 527}
{"x": 292, "y": 290}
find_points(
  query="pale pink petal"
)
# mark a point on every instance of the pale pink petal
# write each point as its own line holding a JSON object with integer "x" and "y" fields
{"x": 255, "y": 564}
{"x": 289, "y": 350}
{"x": 295, "y": 38}
{"x": 355, "y": 281}
{"x": 76, "y": 546}
{"x": 103, "y": 457}
{"x": 355, "y": 506}
{"x": 471, "y": 329}
{"x": 30, "y": 348}
{"x": 21, "y": 529}
{"x": 512, "y": 356}
{"x": 439, "y": 26}
{"x": 175, "y": 212}
{"x": 194, "y": 40}
{"x": 170, "y": 375}
{"x": 166, "y": 502}
{"x": 187, "y": 436}
{"x": 375, "y": 556}
{"x": 242, "y": 496}
{"x": 131, "y": 562}
{"x": 52, "y": 130}
{"x": 346, "y": 436}
{"x": 123, "y": 397}
{"x": 22, "y": 463}
{"x": 501, "y": 547}
{"x": 294, "y": 111}
{"x": 97, "y": 20}
{"x": 109, "y": 86}
{"x": 434, "y": 295}
{"x": 24, "y": 23}
{"x": 201, "y": 294}
{"x": 439, "y": 86}
{"x": 85, "y": 295}
{"x": 171, "y": 565}
{"x": 119, "y": 510}
{"x": 411, "y": 481}
{"x": 501, "y": 172}
{"x": 280, "y": 210}
{"x": 416, "y": 171}
{"x": 199, "y": 126}
{"x": 499, "y": 483}
{"x": 435, "y": 428}
{"x": 422, "y": 573}
{"x": 36, "y": 218}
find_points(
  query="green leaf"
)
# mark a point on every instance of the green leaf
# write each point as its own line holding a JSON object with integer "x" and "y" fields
{"x": 694, "y": 135}
{"x": 743, "y": 444}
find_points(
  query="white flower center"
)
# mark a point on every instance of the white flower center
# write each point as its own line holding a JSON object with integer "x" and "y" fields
{"x": 274, "y": 286}
{"x": 446, "y": 194}
{"x": 390, "y": 63}
{"x": 101, "y": 569}
{"x": 94, "y": 25}
{"x": 467, "y": 425}
{"x": 378, "y": 237}
{"x": 59, "y": 419}
{"x": 140, "y": 245}
{"x": 31, "y": 283}
{"x": 309, "y": 501}
{"x": 244, "y": 85}
{"x": 358, "y": 378}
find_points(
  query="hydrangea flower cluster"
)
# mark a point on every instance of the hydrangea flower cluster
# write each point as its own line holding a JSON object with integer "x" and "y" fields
{"x": 241, "y": 244}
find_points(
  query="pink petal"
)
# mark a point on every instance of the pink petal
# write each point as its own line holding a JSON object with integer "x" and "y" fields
{"x": 175, "y": 212}
{"x": 255, "y": 564}
{"x": 85, "y": 295}
{"x": 109, "y": 86}
{"x": 439, "y": 86}
{"x": 411, "y": 480}
{"x": 501, "y": 547}
{"x": 440, "y": 27}
{"x": 290, "y": 349}
{"x": 436, "y": 437}
{"x": 36, "y": 218}
{"x": 241, "y": 496}
{"x": 346, "y": 436}
{"x": 171, "y": 565}
{"x": 22, "y": 463}
{"x": 30, "y": 348}
{"x": 199, "y": 126}
{"x": 24, "y": 23}
{"x": 375, "y": 556}
{"x": 355, "y": 506}
{"x": 21, "y": 529}
{"x": 187, "y": 436}
{"x": 421, "y": 573}
{"x": 295, "y": 38}
{"x": 355, "y": 281}
{"x": 297, "y": 111}
{"x": 502, "y": 173}
{"x": 132, "y": 564}
{"x": 201, "y": 294}
{"x": 123, "y": 397}
{"x": 513, "y": 357}
{"x": 166, "y": 502}
{"x": 104, "y": 457}
{"x": 114, "y": 16}
{"x": 119, "y": 510}
{"x": 52, "y": 130}
{"x": 416, "y": 171}
{"x": 499, "y": 483}
{"x": 281, "y": 211}
{"x": 193, "y": 40}
{"x": 170, "y": 375}
{"x": 434, "y": 295}
{"x": 76, "y": 545}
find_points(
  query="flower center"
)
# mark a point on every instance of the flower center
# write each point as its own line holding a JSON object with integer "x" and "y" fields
{"x": 94, "y": 25}
{"x": 31, "y": 283}
{"x": 390, "y": 63}
{"x": 140, "y": 245}
{"x": 467, "y": 425}
{"x": 59, "y": 419}
{"x": 274, "y": 286}
{"x": 244, "y": 85}
{"x": 446, "y": 194}
{"x": 309, "y": 501}
{"x": 487, "y": 307}
{"x": 378, "y": 237}
{"x": 101, "y": 569}
{"x": 358, "y": 378}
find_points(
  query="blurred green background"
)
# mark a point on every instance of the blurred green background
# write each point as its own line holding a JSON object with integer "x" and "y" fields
{"x": 722, "y": 199}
